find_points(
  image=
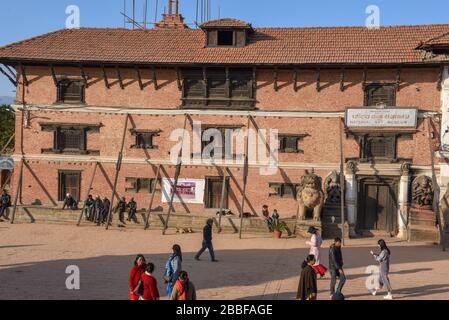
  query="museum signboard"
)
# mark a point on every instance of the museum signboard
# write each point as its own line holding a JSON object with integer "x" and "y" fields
{"x": 368, "y": 117}
{"x": 188, "y": 190}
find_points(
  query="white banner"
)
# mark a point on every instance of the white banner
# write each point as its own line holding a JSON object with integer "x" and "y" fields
{"x": 381, "y": 117}
{"x": 189, "y": 190}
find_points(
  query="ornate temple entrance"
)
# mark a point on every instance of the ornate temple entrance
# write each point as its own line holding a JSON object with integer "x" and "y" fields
{"x": 378, "y": 205}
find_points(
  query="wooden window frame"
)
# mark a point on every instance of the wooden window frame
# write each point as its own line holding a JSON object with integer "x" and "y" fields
{"x": 280, "y": 190}
{"x": 239, "y": 38}
{"x": 391, "y": 145}
{"x": 207, "y": 196}
{"x": 151, "y": 134}
{"x": 222, "y": 129}
{"x": 66, "y": 83}
{"x": 61, "y": 193}
{"x": 137, "y": 185}
{"x": 373, "y": 86}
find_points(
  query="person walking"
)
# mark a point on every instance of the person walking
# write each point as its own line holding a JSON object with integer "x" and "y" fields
{"x": 307, "y": 288}
{"x": 149, "y": 284}
{"x": 89, "y": 208}
{"x": 383, "y": 258}
{"x": 105, "y": 211}
{"x": 121, "y": 209}
{"x": 207, "y": 241}
{"x": 336, "y": 267}
{"x": 173, "y": 268}
{"x": 315, "y": 245}
{"x": 135, "y": 275}
{"x": 132, "y": 209}
{"x": 183, "y": 288}
{"x": 98, "y": 208}
{"x": 5, "y": 203}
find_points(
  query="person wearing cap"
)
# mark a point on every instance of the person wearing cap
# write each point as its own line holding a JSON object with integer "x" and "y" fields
{"x": 207, "y": 241}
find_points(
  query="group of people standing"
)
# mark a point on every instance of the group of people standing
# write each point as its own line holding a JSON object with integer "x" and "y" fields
{"x": 97, "y": 210}
{"x": 312, "y": 270}
{"x": 143, "y": 285}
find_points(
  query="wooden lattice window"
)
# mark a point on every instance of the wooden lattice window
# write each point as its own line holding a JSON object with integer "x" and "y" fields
{"x": 283, "y": 190}
{"x": 139, "y": 185}
{"x": 71, "y": 91}
{"x": 289, "y": 143}
{"x": 379, "y": 147}
{"x": 380, "y": 95}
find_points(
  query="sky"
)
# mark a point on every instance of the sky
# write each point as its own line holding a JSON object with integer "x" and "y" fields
{"x": 22, "y": 19}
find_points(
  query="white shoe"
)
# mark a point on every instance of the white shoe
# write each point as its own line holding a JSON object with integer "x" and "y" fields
{"x": 388, "y": 297}
{"x": 373, "y": 292}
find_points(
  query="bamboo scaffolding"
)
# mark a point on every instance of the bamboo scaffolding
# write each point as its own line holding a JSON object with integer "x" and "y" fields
{"x": 223, "y": 190}
{"x": 153, "y": 193}
{"x": 245, "y": 179}
{"x": 88, "y": 192}
{"x": 18, "y": 190}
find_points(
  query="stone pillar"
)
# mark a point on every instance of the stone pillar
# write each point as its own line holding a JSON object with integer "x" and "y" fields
{"x": 403, "y": 200}
{"x": 351, "y": 196}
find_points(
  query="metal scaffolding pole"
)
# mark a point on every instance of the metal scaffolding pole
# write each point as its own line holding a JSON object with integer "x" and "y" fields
{"x": 18, "y": 190}
{"x": 223, "y": 190}
{"x": 117, "y": 171}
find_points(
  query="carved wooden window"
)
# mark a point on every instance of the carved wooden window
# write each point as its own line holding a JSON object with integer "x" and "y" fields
{"x": 290, "y": 143}
{"x": 283, "y": 190}
{"x": 218, "y": 88}
{"x": 71, "y": 91}
{"x": 378, "y": 147}
{"x": 226, "y": 143}
{"x": 380, "y": 95}
{"x": 144, "y": 139}
{"x": 139, "y": 185}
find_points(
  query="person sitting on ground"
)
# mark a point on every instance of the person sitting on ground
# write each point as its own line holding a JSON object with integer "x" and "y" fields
{"x": 132, "y": 209}
{"x": 69, "y": 202}
{"x": 183, "y": 288}
{"x": 89, "y": 208}
{"x": 266, "y": 217}
{"x": 5, "y": 203}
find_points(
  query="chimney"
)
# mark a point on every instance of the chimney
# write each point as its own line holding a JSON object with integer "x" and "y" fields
{"x": 170, "y": 21}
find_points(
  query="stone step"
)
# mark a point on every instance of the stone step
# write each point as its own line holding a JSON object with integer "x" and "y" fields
{"x": 424, "y": 234}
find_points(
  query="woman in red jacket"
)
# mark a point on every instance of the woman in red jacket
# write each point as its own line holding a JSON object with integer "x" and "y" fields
{"x": 135, "y": 274}
{"x": 150, "y": 291}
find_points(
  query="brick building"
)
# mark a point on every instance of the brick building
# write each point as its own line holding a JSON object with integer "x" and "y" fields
{"x": 77, "y": 88}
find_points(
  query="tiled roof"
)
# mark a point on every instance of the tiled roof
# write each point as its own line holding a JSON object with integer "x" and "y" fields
{"x": 226, "y": 23}
{"x": 273, "y": 46}
{"x": 441, "y": 40}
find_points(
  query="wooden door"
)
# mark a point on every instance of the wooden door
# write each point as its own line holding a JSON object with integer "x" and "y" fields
{"x": 378, "y": 210}
{"x": 69, "y": 182}
{"x": 214, "y": 188}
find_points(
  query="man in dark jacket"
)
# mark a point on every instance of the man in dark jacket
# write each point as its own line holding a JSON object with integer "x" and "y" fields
{"x": 336, "y": 266}
{"x": 98, "y": 209}
{"x": 5, "y": 203}
{"x": 89, "y": 210}
{"x": 132, "y": 209}
{"x": 69, "y": 202}
{"x": 121, "y": 209}
{"x": 105, "y": 211}
{"x": 207, "y": 241}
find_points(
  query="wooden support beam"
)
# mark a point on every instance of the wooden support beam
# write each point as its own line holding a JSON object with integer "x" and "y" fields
{"x": 11, "y": 70}
{"x": 365, "y": 77}
{"x": 119, "y": 76}
{"x": 295, "y": 80}
{"x": 139, "y": 77}
{"x": 440, "y": 78}
{"x": 84, "y": 76}
{"x": 222, "y": 199}
{"x": 87, "y": 195}
{"x": 254, "y": 83}
{"x": 153, "y": 193}
{"x": 105, "y": 77}
{"x": 24, "y": 76}
{"x": 318, "y": 79}
{"x": 118, "y": 167}
{"x": 18, "y": 190}
{"x": 275, "y": 79}
{"x": 245, "y": 179}
{"x": 155, "y": 79}
{"x": 398, "y": 79}
{"x": 342, "y": 79}
{"x": 206, "y": 91}
{"x": 53, "y": 75}
{"x": 176, "y": 179}
{"x": 179, "y": 79}
{"x": 14, "y": 82}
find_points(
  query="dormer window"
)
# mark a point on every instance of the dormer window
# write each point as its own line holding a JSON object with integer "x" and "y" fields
{"x": 226, "y": 33}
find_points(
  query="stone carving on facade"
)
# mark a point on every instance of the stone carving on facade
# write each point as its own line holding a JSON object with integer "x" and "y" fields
{"x": 351, "y": 167}
{"x": 333, "y": 189}
{"x": 405, "y": 168}
{"x": 310, "y": 196}
{"x": 422, "y": 192}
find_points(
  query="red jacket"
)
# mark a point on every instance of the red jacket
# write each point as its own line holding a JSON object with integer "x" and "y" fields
{"x": 134, "y": 277}
{"x": 150, "y": 291}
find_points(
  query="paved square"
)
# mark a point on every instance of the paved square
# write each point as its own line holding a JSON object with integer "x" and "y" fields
{"x": 34, "y": 257}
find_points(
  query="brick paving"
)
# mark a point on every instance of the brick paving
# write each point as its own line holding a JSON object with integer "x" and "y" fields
{"x": 33, "y": 259}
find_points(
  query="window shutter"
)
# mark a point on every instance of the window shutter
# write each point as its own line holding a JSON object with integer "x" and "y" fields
{"x": 240, "y": 36}
{"x": 212, "y": 37}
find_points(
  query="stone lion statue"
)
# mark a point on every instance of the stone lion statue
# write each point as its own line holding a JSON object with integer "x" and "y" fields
{"x": 310, "y": 196}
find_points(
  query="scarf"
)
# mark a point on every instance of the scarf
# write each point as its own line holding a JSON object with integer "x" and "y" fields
{"x": 181, "y": 290}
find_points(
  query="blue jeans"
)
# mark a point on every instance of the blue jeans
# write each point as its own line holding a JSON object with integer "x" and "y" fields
{"x": 334, "y": 275}
{"x": 3, "y": 210}
{"x": 206, "y": 245}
